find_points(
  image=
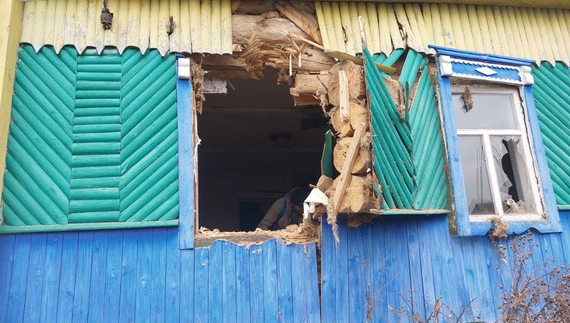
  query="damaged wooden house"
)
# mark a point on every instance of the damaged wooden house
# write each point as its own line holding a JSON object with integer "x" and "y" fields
{"x": 143, "y": 141}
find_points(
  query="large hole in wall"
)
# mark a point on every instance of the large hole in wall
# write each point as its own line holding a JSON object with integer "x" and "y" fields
{"x": 255, "y": 147}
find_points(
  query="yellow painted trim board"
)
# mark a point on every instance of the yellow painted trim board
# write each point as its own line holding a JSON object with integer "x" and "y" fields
{"x": 10, "y": 28}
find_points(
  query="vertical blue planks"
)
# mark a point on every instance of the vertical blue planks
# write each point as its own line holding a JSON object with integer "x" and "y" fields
{"x": 341, "y": 266}
{"x": 113, "y": 269}
{"x": 215, "y": 275}
{"x": 67, "y": 277}
{"x": 242, "y": 284}
{"x": 355, "y": 278}
{"x": 158, "y": 276}
{"x": 298, "y": 284}
{"x": 17, "y": 295}
{"x": 143, "y": 279}
{"x": 82, "y": 276}
{"x": 270, "y": 303}
{"x": 416, "y": 268}
{"x": 173, "y": 282}
{"x": 284, "y": 285}
{"x": 328, "y": 286}
{"x": 7, "y": 251}
{"x": 36, "y": 275}
{"x": 128, "y": 277}
{"x": 229, "y": 293}
{"x": 311, "y": 283}
{"x": 187, "y": 287}
{"x": 52, "y": 276}
{"x": 98, "y": 270}
{"x": 201, "y": 284}
{"x": 256, "y": 295}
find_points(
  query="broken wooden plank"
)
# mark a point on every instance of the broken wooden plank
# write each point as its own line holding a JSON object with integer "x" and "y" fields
{"x": 345, "y": 175}
{"x": 347, "y": 57}
{"x": 299, "y": 19}
{"x": 343, "y": 95}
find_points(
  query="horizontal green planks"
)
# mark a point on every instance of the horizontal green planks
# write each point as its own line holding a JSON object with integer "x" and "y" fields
{"x": 552, "y": 97}
{"x": 149, "y": 141}
{"x": 141, "y": 275}
{"x": 36, "y": 183}
{"x": 96, "y": 151}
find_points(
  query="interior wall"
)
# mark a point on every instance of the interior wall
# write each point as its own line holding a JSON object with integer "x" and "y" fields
{"x": 255, "y": 147}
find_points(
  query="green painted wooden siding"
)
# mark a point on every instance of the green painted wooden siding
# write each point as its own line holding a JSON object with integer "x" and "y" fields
{"x": 552, "y": 97}
{"x": 95, "y": 164}
{"x": 149, "y": 138}
{"x": 408, "y": 147}
{"x": 37, "y": 176}
{"x": 93, "y": 138}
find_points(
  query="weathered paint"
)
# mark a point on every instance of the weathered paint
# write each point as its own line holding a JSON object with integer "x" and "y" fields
{"x": 93, "y": 139}
{"x": 408, "y": 158}
{"x": 200, "y": 26}
{"x": 10, "y": 26}
{"x": 540, "y": 34}
{"x": 521, "y": 3}
{"x": 141, "y": 275}
{"x": 552, "y": 99}
{"x": 409, "y": 262}
{"x": 95, "y": 162}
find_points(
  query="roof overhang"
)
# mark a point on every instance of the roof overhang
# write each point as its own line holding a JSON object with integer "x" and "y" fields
{"x": 557, "y": 4}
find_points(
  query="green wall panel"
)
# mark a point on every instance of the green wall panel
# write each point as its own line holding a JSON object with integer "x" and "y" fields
{"x": 95, "y": 163}
{"x": 36, "y": 181}
{"x": 93, "y": 139}
{"x": 408, "y": 148}
{"x": 552, "y": 97}
{"x": 149, "y": 140}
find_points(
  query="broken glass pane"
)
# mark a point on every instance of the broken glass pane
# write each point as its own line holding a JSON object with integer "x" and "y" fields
{"x": 476, "y": 176}
{"x": 484, "y": 111}
{"x": 513, "y": 178}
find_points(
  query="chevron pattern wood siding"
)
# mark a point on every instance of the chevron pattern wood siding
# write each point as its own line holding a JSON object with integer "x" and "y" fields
{"x": 36, "y": 182}
{"x": 149, "y": 144}
{"x": 96, "y": 146}
{"x": 93, "y": 139}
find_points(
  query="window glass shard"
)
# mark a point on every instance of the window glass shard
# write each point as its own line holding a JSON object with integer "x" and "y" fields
{"x": 514, "y": 181}
{"x": 476, "y": 176}
{"x": 484, "y": 111}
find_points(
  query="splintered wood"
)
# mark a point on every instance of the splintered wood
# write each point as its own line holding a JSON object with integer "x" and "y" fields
{"x": 352, "y": 191}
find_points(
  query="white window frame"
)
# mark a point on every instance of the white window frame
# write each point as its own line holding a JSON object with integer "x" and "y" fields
{"x": 528, "y": 154}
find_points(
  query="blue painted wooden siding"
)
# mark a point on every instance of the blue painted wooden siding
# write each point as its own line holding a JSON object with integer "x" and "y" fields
{"x": 394, "y": 256}
{"x": 140, "y": 275}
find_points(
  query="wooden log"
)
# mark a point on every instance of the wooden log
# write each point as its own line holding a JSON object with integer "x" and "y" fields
{"x": 356, "y": 84}
{"x": 299, "y": 19}
{"x": 358, "y": 196}
{"x": 362, "y": 161}
{"x": 344, "y": 177}
{"x": 309, "y": 84}
{"x": 359, "y": 114}
{"x": 324, "y": 183}
{"x": 273, "y": 50}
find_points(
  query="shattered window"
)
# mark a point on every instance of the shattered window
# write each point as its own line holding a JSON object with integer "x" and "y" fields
{"x": 498, "y": 169}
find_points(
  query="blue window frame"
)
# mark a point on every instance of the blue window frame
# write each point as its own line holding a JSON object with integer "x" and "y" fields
{"x": 494, "y": 147}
